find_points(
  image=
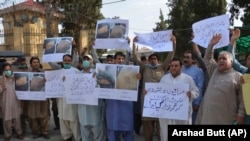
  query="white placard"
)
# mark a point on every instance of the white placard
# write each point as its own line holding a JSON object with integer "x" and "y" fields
{"x": 54, "y": 87}
{"x": 55, "y": 48}
{"x": 79, "y": 89}
{"x": 30, "y": 85}
{"x": 166, "y": 101}
{"x": 204, "y": 30}
{"x": 117, "y": 82}
{"x": 158, "y": 41}
{"x": 111, "y": 34}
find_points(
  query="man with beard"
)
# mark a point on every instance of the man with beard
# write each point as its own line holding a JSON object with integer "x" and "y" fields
{"x": 198, "y": 77}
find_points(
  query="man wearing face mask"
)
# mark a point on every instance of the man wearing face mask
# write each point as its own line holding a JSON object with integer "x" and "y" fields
{"x": 67, "y": 113}
{"x": 88, "y": 60}
{"x": 22, "y": 67}
{"x": 9, "y": 104}
{"x": 152, "y": 72}
{"x": 91, "y": 117}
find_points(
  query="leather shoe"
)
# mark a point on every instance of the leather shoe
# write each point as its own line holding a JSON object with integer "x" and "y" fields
{"x": 46, "y": 136}
{"x": 6, "y": 138}
{"x": 20, "y": 136}
{"x": 37, "y": 136}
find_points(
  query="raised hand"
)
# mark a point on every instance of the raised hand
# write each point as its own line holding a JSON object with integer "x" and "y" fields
{"x": 215, "y": 39}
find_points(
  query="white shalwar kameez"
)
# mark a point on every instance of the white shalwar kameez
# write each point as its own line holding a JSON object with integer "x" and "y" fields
{"x": 182, "y": 79}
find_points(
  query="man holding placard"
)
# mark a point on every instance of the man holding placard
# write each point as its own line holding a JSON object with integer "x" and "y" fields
{"x": 119, "y": 114}
{"x": 177, "y": 77}
{"x": 38, "y": 111}
{"x": 152, "y": 72}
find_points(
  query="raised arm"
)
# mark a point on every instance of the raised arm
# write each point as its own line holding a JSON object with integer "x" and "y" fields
{"x": 210, "y": 63}
{"x": 95, "y": 57}
{"x": 75, "y": 59}
{"x": 136, "y": 56}
{"x": 236, "y": 64}
{"x": 170, "y": 56}
{"x": 54, "y": 66}
{"x": 198, "y": 57}
{"x": 127, "y": 56}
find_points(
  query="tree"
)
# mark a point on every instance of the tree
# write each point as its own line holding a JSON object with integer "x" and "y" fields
{"x": 162, "y": 24}
{"x": 184, "y": 13}
{"x": 80, "y": 14}
{"x": 235, "y": 11}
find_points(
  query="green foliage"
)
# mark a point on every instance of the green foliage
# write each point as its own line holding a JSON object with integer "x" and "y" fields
{"x": 235, "y": 11}
{"x": 183, "y": 13}
{"x": 161, "y": 25}
{"x": 80, "y": 14}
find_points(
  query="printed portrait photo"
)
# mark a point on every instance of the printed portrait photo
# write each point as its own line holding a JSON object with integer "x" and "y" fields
{"x": 64, "y": 46}
{"x": 21, "y": 81}
{"x": 49, "y": 46}
{"x": 118, "y": 30}
{"x": 105, "y": 76}
{"x": 126, "y": 78}
{"x": 103, "y": 30}
{"x": 37, "y": 82}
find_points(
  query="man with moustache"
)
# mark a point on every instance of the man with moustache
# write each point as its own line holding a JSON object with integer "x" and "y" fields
{"x": 223, "y": 101}
{"x": 177, "y": 77}
{"x": 38, "y": 111}
{"x": 198, "y": 77}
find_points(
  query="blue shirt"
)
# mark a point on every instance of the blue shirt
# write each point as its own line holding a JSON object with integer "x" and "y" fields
{"x": 198, "y": 76}
{"x": 119, "y": 115}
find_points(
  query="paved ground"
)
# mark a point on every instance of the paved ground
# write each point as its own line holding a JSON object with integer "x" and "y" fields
{"x": 54, "y": 135}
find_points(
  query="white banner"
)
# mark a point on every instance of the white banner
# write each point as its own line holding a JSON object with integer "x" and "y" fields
{"x": 111, "y": 34}
{"x": 79, "y": 89}
{"x": 117, "y": 81}
{"x": 30, "y": 85}
{"x": 166, "y": 101}
{"x": 54, "y": 86}
{"x": 157, "y": 41}
{"x": 204, "y": 30}
{"x": 55, "y": 48}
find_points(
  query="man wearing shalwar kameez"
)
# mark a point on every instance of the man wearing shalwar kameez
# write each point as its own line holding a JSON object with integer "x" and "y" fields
{"x": 10, "y": 105}
{"x": 67, "y": 113}
{"x": 22, "y": 67}
{"x": 119, "y": 114}
{"x": 222, "y": 102}
{"x": 38, "y": 111}
{"x": 91, "y": 117}
{"x": 177, "y": 77}
{"x": 152, "y": 72}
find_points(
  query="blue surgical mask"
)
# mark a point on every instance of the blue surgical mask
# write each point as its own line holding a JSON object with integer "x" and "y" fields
{"x": 153, "y": 67}
{"x": 66, "y": 66}
{"x": 86, "y": 64}
{"x": 8, "y": 72}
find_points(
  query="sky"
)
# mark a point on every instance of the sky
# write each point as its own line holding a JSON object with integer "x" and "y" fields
{"x": 142, "y": 14}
